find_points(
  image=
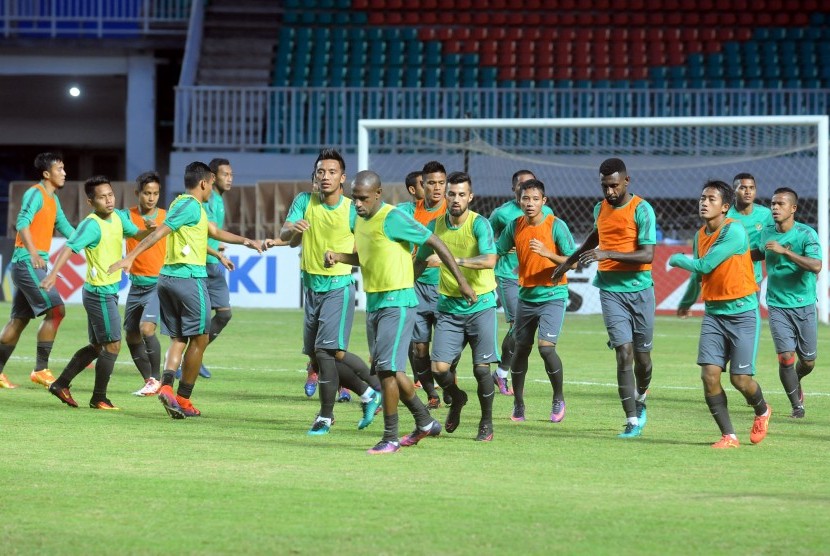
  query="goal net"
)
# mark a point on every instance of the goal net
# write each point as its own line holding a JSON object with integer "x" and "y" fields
{"x": 668, "y": 160}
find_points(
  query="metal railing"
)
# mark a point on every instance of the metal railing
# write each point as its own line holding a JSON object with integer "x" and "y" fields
{"x": 93, "y": 18}
{"x": 289, "y": 119}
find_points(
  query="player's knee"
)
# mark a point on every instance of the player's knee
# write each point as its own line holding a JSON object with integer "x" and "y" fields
{"x": 786, "y": 359}
{"x": 56, "y": 315}
{"x": 223, "y": 317}
{"x": 547, "y": 349}
{"x": 147, "y": 329}
{"x": 481, "y": 372}
{"x": 420, "y": 349}
{"x": 807, "y": 365}
{"x": 113, "y": 347}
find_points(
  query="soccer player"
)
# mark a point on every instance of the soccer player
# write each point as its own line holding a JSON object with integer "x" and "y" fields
{"x": 40, "y": 213}
{"x": 541, "y": 242}
{"x": 383, "y": 238}
{"x": 507, "y": 276}
{"x": 469, "y": 238}
{"x": 425, "y": 211}
{"x": 220, "y": 297}
{"x": 722, "y": 265}
{"x": 414, "y": 182}
{"x": 325, "y": 220}
{"x": 793, "y": 257}
{"x": 182, "y": 285}
{"x": 100, "y": 235}
{"x": 142, "y": 312}
{"x": 752, "y": 216}
{"x": 624, "y": 231}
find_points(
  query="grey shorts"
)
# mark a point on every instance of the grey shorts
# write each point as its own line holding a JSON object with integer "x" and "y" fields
{"x": 220, "y": 296}
{"x": 629, "y": 318}
{"x": 30, "y": 300}
{"x": 142, "y": 306}
{"x": 102, "y": 317}
{"x": 730, "y": 339}
{"x": 185, "y": 306}
{"x": 509, "y": 297}
{"x": 328, "y": 319}
{"x": 795, "y": 329}
{"x": 453, "y": 332}
{"x": 546, "y": 318}
{"x": 427, "y": 312}
{"x": 389, "y": 332}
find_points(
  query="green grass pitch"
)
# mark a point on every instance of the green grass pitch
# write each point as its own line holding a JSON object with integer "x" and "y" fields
{"x": 245, "y": 477}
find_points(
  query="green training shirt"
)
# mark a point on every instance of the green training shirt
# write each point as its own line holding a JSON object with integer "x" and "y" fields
{"x": 789, "y": 285}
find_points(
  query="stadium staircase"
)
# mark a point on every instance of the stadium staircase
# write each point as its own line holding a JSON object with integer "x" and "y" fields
{"x": 240, "y": 37}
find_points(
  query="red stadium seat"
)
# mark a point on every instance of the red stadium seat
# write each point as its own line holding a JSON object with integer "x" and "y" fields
{"x": 360, "y": 4}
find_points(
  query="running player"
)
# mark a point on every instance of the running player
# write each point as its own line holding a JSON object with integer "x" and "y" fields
{"x": 182, "y": 285}
{"x": 542, "y": 242}
{"x": 751, "y": 215}
{"x": 469, "y": 238}
{"x": 383, "y": 238}
{"x": 793, "y": 258}
{"x": 40, "y": 213}
{"x": 722, "y": 266}
{"x": 624, "y": 230}
{"x": 101, "y": 236}
{"x": 414, "y": 182}
{"x": 432, "y": 206}
{"x": 142, "y": 312}
{"x": 220, "y": 296}
{"x": 507, "y": 276}
{"x": 325, "y": 220}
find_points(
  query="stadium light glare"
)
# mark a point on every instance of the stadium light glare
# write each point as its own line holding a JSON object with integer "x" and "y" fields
{"x": 74, "y": 91}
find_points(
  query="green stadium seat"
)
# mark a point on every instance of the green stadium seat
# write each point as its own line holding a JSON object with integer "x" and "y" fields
{"x": 488, "y": 76}
{"x": 412, "y": 76}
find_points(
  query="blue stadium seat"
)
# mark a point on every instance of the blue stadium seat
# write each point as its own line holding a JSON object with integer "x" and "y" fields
{"x": 488, "y": 76}
{"x": 412, "y": 76}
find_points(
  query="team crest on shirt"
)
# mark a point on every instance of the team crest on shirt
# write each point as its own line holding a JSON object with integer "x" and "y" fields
{"x": 758, "y": 226}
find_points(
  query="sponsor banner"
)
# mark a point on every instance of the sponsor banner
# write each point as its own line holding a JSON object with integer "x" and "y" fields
{"x": 270, "y": 280}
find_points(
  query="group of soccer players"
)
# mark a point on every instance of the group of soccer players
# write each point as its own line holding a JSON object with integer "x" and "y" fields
{"x": 433, "y": 272}
{"x": 172, "y": 279}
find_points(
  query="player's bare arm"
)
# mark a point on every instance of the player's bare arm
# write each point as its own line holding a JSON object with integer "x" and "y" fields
{"x": 479, "y": 262}
{"x": 590, "y": 243}
{"x": 804, "y": 263}
{"x": 227, "y": 237}
{"x": 291, "y": 231}
{"x": 125, "y": 263}
{"x": 330, "y": 258}
{"x": 49, "y": 280}
{"x": 446, "y": 257}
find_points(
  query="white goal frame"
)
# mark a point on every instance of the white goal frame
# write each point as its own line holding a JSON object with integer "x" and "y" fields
{"x": 821, "y": 122}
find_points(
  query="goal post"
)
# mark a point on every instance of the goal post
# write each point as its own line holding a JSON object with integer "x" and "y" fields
{"x": 668, "y": 159}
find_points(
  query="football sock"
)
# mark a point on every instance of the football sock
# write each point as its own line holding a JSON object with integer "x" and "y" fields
{"x": 625, "y": 387}
{"x": 719, "y": 411}
{"x": 518, "y": 372}
{"x": 153, "y": 348}
{"x": 366, "y": 396}
{"x": 803, "y": 370}
{"x": 423, "y": 370}
{"x": 103, "y": 372}
{"x": 359, "y": 368}
{"x": 44, "y": 349}
{"x": 757, "y": 402}
{"x": 447, "y": 383}
{"x": 553, "y": 367}
{"x": 168, "y": 377}
{"x": 789, "y": 380}
{"x": 184, "y": 390}
{"x": 390, "y": 427}
{"x": 508, "y": 346}
{"x": 219, "y": 321}
{"x": 486, "y": 391}
{"x": 642, "y": 375}
{"x": 142, "y": 362}
{"x": 327, "y": 381}
{"x": 5, "y": 352}
{"x": 78, "y": 363}
{"x": 502, "y": 372}
{"x": 419, "y": 411}
{"x": 348, "y": 379}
